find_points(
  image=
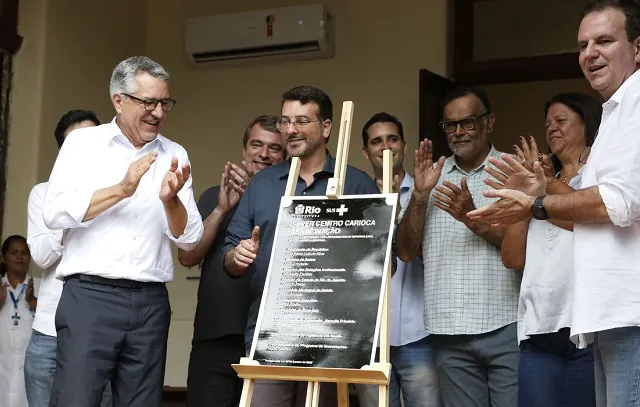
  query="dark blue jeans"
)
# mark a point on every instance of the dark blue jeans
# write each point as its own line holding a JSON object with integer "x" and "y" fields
{"x": 554, "y": 373}
{"x": 413, "y": 370}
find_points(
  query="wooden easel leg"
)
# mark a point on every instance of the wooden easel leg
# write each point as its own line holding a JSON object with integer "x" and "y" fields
{"x": 316, "y": 394}
{"x": 309, "y": 398}
{"x": 313, "y": 394}
{"x": 247, "y": 393}
{"x": 343, "y": 394}
{"x": 383, "y": 395}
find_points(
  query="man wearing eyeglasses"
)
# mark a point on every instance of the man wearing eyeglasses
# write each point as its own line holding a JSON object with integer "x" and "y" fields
{"x": 218, "y": 337}
{"x": 305, "y": 123}
{"x": 470, "y": 298}
{"x": 121, "y": 192}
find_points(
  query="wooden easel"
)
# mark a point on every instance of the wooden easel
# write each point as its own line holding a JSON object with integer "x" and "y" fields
{"x": 378, "y": 373}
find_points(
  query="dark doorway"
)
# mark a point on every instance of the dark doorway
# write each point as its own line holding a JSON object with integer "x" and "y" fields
{"x": 433, "y": 89}
{"x": 4, "y": 113}
{"x": 10, "y": 43}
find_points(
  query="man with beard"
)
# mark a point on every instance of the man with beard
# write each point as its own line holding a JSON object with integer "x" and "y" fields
{"x": 305, "y": 122}
{"x": 218, "y": 336}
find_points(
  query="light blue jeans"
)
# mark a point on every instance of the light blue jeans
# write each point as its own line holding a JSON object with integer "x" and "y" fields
{"x": 617, "y": 367}
{"x": 413, "y": 371}
{"x": 40, "y": 368}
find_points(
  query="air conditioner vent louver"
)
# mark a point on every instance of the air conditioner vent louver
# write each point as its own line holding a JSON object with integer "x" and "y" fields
{"x": 257, "y": 52}
{"x": 298, "y": 32}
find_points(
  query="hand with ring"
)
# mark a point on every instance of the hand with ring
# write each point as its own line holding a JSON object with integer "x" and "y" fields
{"x": 527, "y": 155}
{"x": 232, "y": 186}
{"x": 509, "y": 173}
{"x": 239, "y": 177}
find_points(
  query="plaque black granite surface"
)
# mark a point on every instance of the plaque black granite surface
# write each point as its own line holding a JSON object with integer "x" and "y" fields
{"x": 322, "y": 299}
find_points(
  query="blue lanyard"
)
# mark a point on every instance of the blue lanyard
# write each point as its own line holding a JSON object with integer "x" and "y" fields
{"x": 15, "y": 300}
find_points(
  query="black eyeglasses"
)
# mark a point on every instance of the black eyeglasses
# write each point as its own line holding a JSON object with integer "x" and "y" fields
{"x": 299, "y": 122}
{"x": 151, "y": 104}
{"x": 468, "y": 123}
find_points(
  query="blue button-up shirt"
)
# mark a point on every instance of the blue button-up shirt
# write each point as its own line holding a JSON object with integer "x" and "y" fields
{"x": 407, "y": 291}
{"x": 260, "y": 206}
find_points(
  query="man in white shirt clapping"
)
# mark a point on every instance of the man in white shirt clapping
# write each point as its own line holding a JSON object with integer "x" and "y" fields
{"x": 606, "y": 210}
{"x": 122, "y": 193}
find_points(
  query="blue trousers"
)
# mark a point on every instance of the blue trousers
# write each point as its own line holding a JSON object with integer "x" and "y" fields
{"x": 617, "y": 366}
{"x": 554, "y": 373}
{"x": 413, "y": 370}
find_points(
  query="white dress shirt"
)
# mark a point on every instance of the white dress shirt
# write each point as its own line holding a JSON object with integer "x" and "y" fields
{"x": 546, "y": 293}
{"x": 606, "y": 256}
{"x": 46, "y": 248}
{"x": 130, "y": 240}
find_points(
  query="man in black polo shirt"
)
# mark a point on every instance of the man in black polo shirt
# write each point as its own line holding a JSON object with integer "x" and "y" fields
{"x": 305, "y": 124}
{"x": 223, "y": 303}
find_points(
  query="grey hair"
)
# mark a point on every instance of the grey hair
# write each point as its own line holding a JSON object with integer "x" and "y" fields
{"x": 124, "y": 75}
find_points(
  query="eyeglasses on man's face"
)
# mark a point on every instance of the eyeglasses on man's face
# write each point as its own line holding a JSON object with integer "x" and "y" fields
{"x": 467, "y": 123}
{"x": 298, "y": 122}
{"x": 151, "y": 104}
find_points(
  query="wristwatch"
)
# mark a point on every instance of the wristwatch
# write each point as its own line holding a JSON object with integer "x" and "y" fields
{"x": 537, "y": 209}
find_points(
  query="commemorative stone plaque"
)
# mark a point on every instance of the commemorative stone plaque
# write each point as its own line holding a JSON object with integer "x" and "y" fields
{"x": 323, "y": 295}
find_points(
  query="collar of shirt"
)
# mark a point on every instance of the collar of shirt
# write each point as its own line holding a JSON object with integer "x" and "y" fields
{"x": 622, "y": 90}
{"x": 115, "y": 133}
{"x": 5, "y": 280}
{"x": 450, "y": 163}
{"x": 407, "y": 182}
{"x": 329, "y": 167}
{"x": 405, "y": 188}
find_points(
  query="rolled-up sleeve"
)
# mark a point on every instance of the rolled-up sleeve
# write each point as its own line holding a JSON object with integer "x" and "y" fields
{"x": 45, "y": 244}
{"x": 67, "y": 198}
{"x": 194, "y": 228}
{"x": 617, "y": 175}
{"x": 241, "y": 225}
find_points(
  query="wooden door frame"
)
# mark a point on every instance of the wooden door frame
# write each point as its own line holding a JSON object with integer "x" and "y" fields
{"x": 9, "y": 38}
{"x": 10, "y": 43}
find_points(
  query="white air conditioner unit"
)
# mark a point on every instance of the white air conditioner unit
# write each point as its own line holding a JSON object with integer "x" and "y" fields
{"x": 299, "y": 32}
